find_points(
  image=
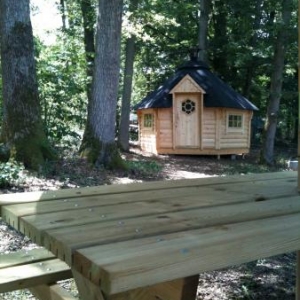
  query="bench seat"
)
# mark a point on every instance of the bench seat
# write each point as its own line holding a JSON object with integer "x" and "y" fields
{"x": 37, "y": 270}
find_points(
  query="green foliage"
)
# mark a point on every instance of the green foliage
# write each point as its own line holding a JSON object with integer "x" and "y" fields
{"x": 9, "y": 173}
{"x": 62, "y": 82}
{"x": 144, "y": 168}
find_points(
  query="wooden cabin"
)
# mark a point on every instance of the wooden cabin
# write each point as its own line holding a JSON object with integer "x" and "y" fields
{"x": 195, "y": 112}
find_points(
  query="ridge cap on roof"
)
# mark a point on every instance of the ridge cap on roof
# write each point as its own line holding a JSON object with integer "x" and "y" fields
{"x": 193, "y": 64}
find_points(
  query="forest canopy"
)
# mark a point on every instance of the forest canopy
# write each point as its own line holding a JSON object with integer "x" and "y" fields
{"x": 93, "y": 73}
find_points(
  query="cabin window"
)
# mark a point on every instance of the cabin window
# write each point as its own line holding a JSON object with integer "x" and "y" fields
{"x": 235, "y": 122}
{"x": 188, "y": 106}
{"x": 148, "y": 121}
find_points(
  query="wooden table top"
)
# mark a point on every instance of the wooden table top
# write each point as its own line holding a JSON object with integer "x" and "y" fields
{"x": 122, "y": 237}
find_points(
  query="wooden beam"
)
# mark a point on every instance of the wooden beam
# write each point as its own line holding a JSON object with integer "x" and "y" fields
{"x": 180, "y": 289}
{"x": 298, "y": 276}
{"x": 51, "y": 292}
{"x": 299, "y": 94}
{"x": 87, "y": 290}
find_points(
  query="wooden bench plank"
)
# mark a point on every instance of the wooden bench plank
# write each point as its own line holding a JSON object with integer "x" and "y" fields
{"x": 24, "y": 276}
{"x": 23, "y": 257}
{"x": 64, "y": 241}
{"x": 132, "y": 264}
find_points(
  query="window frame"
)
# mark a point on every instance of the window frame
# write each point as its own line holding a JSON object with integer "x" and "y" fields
{"x": 148, "y": 121}
{"x": 235, "y": 128}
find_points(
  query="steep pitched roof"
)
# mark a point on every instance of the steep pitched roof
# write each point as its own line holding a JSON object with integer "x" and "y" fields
{"x": 217, "y": 92}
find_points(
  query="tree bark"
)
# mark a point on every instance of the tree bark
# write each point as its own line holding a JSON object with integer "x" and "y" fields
{"x": 203, "y": 29}
{"x": 63, "y": 14}
{"x": 89, "y": 20}
{"x": 220, "y": 52}
{"x": 101, "y": 148}
{"x": 251, "y": 67}
{"x": 22, "y": 129}
{"x": 276, "y": 85}
{"x": 123, "y": 134}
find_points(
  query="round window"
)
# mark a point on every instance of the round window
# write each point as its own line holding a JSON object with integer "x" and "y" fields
{"x": 188, "y": 106}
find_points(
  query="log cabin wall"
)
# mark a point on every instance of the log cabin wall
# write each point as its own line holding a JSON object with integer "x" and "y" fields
{"x": 209, "y": 132}
{"x": 165, "y": 128}
{"x": 235, "y": 138}
{"x": 216, "y": 137}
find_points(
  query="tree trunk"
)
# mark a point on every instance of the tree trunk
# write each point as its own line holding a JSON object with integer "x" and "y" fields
{"x": 276, "y": 85}
{"x": 63, "y": 14}
{"x": 89, "y": 19}
{"x": 22, "y": 129}
{"x": 251, "y": 67}
{"x": 203, "y": 29}
{"x": 123, "y": 134}
{"x": 100, "y": 148}
{"x": 219, "y": 51}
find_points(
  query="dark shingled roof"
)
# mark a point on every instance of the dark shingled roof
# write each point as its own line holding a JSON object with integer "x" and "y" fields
{"x": 218, "y": 93}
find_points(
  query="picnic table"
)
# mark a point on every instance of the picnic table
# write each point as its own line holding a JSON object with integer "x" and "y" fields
{"x": 149, "y": 241}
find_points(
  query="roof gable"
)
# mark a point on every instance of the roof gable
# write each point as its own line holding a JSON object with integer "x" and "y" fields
{"x": 187, "y": 85}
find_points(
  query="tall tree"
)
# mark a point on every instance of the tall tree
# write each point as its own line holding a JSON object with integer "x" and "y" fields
{"x": 100, "y": 147}
{"x": 123, "y": 133}
{"x": 276, "y": 83}
{"x": 250, "y": 64}
{"x": 22, "y": 129}
{"x": 203, "y": 28}
{"x": 89, "y": 20}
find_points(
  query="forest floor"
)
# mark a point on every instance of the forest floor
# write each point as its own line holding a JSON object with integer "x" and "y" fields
{"x": 272, "y": 278}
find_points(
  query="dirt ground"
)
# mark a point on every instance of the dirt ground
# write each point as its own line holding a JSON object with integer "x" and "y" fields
{"x": 265, "y": 279}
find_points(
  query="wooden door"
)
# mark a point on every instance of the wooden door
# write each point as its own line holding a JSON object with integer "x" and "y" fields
{"x": 186, "y": 121}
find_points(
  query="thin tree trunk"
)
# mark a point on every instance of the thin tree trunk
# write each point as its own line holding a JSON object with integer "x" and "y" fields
{"x": 63, "y": 14}
{"x": 123, "y": 134}
{"x": 22, "y": 129}
{"x": 101, "y": 148}
{"x": 220, "y": 54}
{"x": 89, "y": 19}
{"x": 250, "y": 69}
{"x": 203, "y": 29}
{"x": 276, "y": 85}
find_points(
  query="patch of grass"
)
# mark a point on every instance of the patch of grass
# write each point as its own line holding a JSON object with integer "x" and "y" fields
{"x": 144, "y": 168}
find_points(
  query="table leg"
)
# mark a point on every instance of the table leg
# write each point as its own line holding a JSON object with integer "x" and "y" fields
{"x": 87, "y": 290}
{"x": 180, "y": 289}
{"x": 298, "y": 276}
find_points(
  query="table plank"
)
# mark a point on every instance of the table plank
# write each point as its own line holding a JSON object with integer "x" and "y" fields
{"x": 17, "y": 198}
{"x": 65, "y": 240}
{"x": 113, "y": 191}
{"x": 256, "y": 189}
{"x": 118, "y": 267}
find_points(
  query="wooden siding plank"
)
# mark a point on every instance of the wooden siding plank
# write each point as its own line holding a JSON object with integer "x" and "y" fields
{"x": 187, "y": 253}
